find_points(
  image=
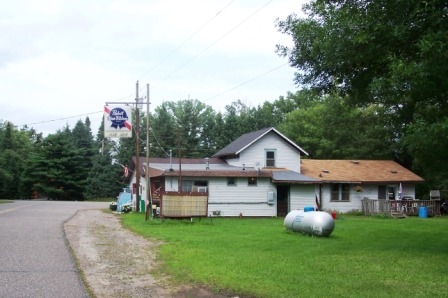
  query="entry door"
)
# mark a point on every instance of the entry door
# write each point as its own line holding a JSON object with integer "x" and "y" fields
{"x": 282, "y": 200}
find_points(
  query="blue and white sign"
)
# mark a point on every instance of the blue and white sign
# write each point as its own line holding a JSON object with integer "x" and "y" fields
{"x": 117, "y": 121}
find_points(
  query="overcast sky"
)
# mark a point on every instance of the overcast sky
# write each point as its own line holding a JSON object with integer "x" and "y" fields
{"x": 62, "y": 60}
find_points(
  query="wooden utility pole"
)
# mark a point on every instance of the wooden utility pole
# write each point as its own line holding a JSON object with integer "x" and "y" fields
{"x": 148, "y": 178}
{"x": 137, "y": 154}
{"x": 179, "y": 187}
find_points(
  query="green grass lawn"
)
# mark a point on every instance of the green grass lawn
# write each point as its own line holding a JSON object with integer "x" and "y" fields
{"x": 6, "y": 201}
{"x": 363, "y": 257}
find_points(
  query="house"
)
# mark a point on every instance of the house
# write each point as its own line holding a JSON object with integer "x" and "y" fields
{"x": 346, "y": 182}
{"x": 263, "y": 173}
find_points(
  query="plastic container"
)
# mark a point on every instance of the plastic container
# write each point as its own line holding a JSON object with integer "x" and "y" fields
{"x": 334, "y": 215}
{"x": 423, "y": 212}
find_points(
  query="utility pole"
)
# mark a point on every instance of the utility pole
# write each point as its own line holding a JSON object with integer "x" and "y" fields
{"x": 148, "y": 178}
{"x": 137, "y": 146}
{"x": 179, "y": 187}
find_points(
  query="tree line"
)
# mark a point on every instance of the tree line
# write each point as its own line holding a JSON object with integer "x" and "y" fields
{"x": 373, "y": 85}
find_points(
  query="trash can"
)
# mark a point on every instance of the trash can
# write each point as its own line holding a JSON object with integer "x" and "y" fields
{"x": 423, "y": 212}
{"x": 142, "y": 205}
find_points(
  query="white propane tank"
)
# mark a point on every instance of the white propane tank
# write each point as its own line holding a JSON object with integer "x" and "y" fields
{"x": 317, "y": 223}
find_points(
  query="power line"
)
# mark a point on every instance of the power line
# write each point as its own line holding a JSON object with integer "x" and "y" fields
{"x": 188, "y": 61}
{"x": 188, "y": 39}
{"x": 246, "y": 82}
{"x": 59, "y": 119}
{"x": 207, "y": 99}
{"x": 180, "y": 45}
{"x": 216, "y": 41}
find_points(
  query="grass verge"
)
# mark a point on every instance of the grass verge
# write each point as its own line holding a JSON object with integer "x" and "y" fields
{"x": 6, "y": 201}
{"x": 364, "y": 256}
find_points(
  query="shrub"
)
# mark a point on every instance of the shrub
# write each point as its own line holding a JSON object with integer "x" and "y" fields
{"x": 113, "y": 206}
{"x": 382, "y": 215}
{"x": 126, "y": 208}
{"x": 354, "y": 212}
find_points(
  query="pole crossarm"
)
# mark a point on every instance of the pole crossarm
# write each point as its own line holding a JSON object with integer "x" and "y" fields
{"x": 125, "y": 102}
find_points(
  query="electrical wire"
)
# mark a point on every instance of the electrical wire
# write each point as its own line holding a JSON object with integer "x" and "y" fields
{"x": 178, "y": 47}
{"x": 207, "y": 99}
{"x": 216, "y": 41}
{"x": 246, "y": 82}
{"x": 187, "y": 62}
{"x": 59, "y": 119}
{"x": 187, "y": 40}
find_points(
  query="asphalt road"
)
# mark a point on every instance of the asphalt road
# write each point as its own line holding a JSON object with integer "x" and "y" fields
{"x": 35, "y": 260}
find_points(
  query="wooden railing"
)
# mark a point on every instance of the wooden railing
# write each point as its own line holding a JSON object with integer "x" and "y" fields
{"x": 411, "y": 207}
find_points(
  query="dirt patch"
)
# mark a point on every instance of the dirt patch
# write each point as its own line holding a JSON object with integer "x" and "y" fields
{"x": 118, "y": 263}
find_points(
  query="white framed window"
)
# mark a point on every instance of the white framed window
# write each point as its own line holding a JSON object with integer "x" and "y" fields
{"x": 270, "y": 158}
{"x": 340, "y": 192}
{"x": 252, "y": 181}
{"x": 193, "y": 185}
{"x": 231, "y": 181}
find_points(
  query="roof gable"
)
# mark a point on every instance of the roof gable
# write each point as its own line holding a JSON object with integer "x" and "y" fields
{"x": 357, "y": 171}
{"x": 246, "y": 140}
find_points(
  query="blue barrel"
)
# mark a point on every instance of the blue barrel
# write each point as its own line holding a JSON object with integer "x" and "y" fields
{"x": 423, "y": 212}
{"x": 308, "y": 208}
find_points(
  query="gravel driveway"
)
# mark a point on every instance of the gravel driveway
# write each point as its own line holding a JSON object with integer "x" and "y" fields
{"x": 118, "y": 263}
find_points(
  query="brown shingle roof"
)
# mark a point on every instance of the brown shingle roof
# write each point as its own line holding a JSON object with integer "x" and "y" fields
{"x": 366, "y": 171}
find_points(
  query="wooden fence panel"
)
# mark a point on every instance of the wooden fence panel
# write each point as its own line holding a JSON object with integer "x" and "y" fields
{"x": 184, "y": 205}
{"x": 411, "y": 207}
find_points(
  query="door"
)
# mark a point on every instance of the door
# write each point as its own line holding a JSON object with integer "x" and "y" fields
{"x": 282, "y": 200}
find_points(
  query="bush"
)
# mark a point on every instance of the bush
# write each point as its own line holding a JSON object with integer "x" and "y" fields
{"x": 126, "y": 208}
{"x": 383, "y": 215}
{"x": 354, "y": 212}
{"x": 113, "y": 206}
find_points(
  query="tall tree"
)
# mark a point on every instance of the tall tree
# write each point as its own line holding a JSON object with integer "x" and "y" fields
{"x": 57, "y": 170}
{"x": 163, "y": 131}
{"x": 329, "y": 128}
{"x": 15, "y": 148}
{"x": 392, "y": 53}
{"x": 105, "y": 178}
{"x": 191, "y": 116}
{"x": 82, "y": 139}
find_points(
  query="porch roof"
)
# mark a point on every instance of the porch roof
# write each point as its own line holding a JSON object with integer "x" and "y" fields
{"x": 358, "y": 171}
{"x": 292, "y": 178}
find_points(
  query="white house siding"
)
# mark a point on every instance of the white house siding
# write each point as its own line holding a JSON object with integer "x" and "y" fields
{"x": 240, "y": 199}
{"x": 355, "y": 202}
{"x": 301, "y": 196}
{"x": 286, "y": 156}
{"x": 368, "y": 191}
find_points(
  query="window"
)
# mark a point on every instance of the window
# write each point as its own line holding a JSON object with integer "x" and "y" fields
{"x": 340, "y": 192}
{"x": 252, "y": 181}
{"x": 270, "y": 158}
{"x": 193, "y": 185}
{"x": 231, "y": 181}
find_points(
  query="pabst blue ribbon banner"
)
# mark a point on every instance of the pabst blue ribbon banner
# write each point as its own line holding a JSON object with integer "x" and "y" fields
{"x": 117, "y": 121}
